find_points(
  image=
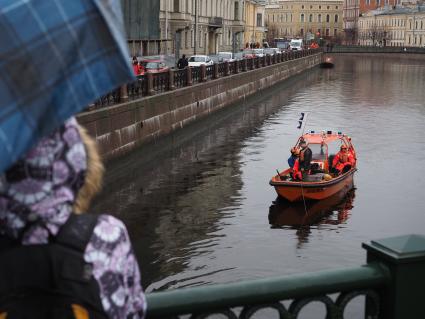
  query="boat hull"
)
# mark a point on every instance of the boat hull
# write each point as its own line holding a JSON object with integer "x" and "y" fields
{"x": 326, "y": 65}
{"x": 297, "y": 191}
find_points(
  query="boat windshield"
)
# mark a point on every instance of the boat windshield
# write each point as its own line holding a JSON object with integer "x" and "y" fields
{"x": 318, "y": 152}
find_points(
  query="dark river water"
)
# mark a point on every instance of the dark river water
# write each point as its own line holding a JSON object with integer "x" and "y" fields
{"x": 198, "y": 203}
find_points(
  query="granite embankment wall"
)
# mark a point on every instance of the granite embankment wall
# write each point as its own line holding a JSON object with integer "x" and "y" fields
{"x": 121, "y": 128}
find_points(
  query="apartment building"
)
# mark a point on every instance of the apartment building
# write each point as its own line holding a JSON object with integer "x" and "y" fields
{"x": 306, "y": 19}
{"x": 393, "y": 26}
{"x": 201, "y": 26}
{"x": 350, "y": 17}
{"x": 255, "y": 30}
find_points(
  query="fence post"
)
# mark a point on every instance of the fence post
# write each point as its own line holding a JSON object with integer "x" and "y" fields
{"x": 188, "y": 76}
{"x": 244, "y": 64}
{"x": 226, "y": 68}
{"x": 215, "y": 75}
{"x": 404, "y": 256}
{"x": 149, "y": 79}
{"x": 123, "y": 93}
{"x": 203, "y": 73}
{"x": 171, "y": 85}
{"x": 236, "y": 62}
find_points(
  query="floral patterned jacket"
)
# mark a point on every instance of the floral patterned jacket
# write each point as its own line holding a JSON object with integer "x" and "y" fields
{"x": 36, "y": 198}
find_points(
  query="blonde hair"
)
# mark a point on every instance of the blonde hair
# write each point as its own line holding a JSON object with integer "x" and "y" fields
{"x": 94, "y": 174}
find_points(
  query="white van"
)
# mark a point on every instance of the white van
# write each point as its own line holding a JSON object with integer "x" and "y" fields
{"x": 296, "y": 44}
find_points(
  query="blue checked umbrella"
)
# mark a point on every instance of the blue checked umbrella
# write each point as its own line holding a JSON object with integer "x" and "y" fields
{"x": 56, "y": 57}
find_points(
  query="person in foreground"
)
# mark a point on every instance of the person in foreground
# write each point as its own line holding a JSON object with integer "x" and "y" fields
{"x": 51, "y": 253}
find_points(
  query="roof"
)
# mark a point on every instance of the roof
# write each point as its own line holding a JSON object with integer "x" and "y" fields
{"x": 318, "y": 138}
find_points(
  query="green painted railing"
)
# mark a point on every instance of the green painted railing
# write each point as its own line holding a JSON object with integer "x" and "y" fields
{"x": 393, "y": 282}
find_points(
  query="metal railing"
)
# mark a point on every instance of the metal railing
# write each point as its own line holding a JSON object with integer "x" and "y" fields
{"x": 392, "y": 283}
{"x": 152, "y": 83}
{"x": 373, "y": 49}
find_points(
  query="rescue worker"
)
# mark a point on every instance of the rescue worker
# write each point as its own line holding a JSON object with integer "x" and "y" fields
{"x": 305, "y": 158}
{"x": 295, "y": 169}
{"x": 343, "y": 160}
{"x": 293, "y": 157}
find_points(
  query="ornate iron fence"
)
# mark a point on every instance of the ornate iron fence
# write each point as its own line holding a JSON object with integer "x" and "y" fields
{"x": 196, "y": 74}
{"x": 138, "y": 88}
{"x": 180, "y": 78}
{"x": 374, "y": 49}
{"x": 160, "y": 81}
{"x": 221, "y": 67}
{"x": 392, "y": 283}
{"x": 210, "y": 72}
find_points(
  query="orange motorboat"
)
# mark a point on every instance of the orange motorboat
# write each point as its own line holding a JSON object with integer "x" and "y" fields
{"x": 321, "y": 183}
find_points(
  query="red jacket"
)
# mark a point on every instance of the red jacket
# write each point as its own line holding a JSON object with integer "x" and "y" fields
{"x": 343, "y": 159}
{"x": 296, "y": 173}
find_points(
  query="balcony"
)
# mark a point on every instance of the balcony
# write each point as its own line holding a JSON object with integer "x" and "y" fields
{"x": 215, "y": 22}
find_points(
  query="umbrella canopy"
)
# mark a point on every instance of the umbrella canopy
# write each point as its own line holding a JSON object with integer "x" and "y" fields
{"x": 56, "y": 57}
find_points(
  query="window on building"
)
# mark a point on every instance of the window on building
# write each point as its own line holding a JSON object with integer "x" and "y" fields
{"x": 328, "y": 7}
{"x": 302, "y": 31}
{"x": 302, "y": 17}
{"x": 416, "y": 24}
{"x": 259, "y": 19}
{"x": 336, "y": 7}
{"x": 319, "y": 18}
{"x": 237, "y": 10}
{"x": 320, "y": 7}
{"x": 302, "y": 7}
{"x": 327, "y": 18}
{"x": 335, "y": 32}
{"x": 310, "y": 18}
{"x": 327, "y": 32}
{"x": 311, "y": 7}
{"x": 378, "y": 2}
{"x": 336, "y": 18}
{"x": 176, "y": 7}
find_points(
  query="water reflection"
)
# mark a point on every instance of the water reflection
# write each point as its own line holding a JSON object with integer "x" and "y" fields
{"x": 334, "y": 210}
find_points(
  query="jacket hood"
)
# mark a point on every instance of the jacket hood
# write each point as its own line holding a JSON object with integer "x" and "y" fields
{"x": 38, "y": 192}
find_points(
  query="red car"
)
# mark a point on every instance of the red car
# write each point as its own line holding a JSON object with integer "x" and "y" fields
{"x": 154, "y": 66}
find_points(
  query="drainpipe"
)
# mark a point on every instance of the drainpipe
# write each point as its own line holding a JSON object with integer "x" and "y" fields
{"x": 196, "y": 27}
{"x": 166, "y": 27}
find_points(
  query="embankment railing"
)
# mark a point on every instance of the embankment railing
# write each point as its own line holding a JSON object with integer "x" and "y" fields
{"x": 154, "y": 83}
{"x": 373, "y": 49}
{"x": 392, "y": 282}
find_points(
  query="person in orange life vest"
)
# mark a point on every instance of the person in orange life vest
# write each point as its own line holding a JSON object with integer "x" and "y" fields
{"x": 295, "y": 171}
{"x": 305, "y": 158}
{"x": 343, "y": 160}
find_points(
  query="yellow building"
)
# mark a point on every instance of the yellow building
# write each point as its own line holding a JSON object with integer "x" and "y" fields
{"x": 306, "y": 19}
{"x": 254, "y": 22}
{"x": 401, "y": 26}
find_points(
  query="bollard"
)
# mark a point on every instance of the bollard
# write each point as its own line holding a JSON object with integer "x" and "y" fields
{"x": 188, "y": 76}
{"x": 226, "y": 68}
{"x": 149, "y": 79}
{"x": 215, "y": 74}
{"x": 244, "y": 65}
{"x": 404, "y": 256}
{"x": 123, "y": 93}
{"x": 203, "y": 75}
{"x": 171, "y": 85}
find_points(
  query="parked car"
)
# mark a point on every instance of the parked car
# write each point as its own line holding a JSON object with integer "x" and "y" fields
{"x": 249, "y": 53}
{"x": 272, "y": 51}
{"x": 154, "y": 65}
{"x": 296, "y": 44}
{"x": 258, "y": 52}
{"x": 226, "y": 56}
{"x": 198, "y": 60}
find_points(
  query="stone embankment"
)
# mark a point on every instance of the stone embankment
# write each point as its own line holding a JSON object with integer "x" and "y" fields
{"x": 121, "y": 128}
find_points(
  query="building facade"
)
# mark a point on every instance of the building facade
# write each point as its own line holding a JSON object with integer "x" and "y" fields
{"x": 350, "y": 18}
{"x": 308, "y": 19}
{"x": 255, "y": 30}
{"x": 141, "y": 21}
{"x": 394, "y": 26}
{"x": 201, "y": 26}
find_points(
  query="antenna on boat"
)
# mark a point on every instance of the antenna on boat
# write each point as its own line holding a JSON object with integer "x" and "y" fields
{"x": 301, "y": 121}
